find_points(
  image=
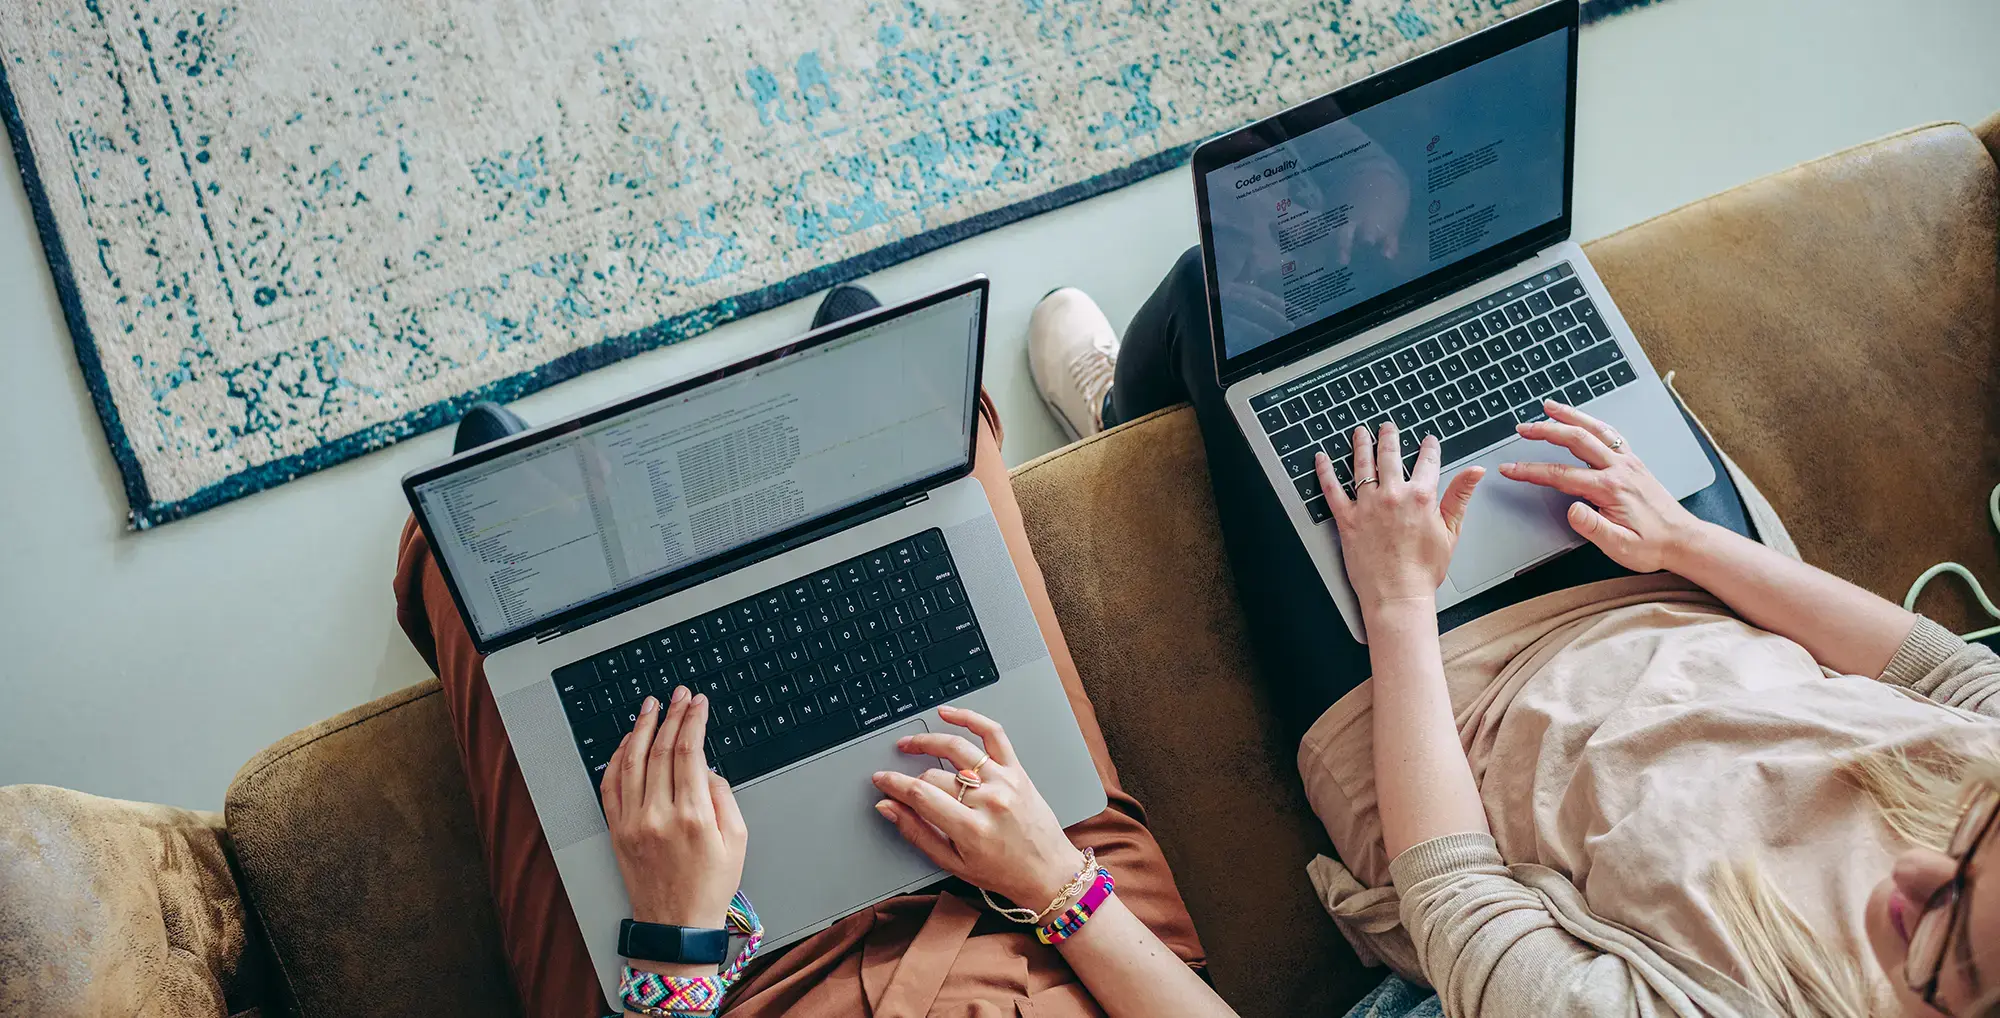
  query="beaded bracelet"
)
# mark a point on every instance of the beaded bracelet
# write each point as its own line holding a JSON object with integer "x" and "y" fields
{"x": 1066, "y": 925}
{"x": 651, "y": 993}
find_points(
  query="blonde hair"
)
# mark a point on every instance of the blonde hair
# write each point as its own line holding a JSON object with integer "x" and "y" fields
{"x": 1921, "y": 796}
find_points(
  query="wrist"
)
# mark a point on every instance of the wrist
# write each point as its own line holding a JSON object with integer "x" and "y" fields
{"x": 1399, "y": 609}
{"x": 1037, "y": 892}
{"x": 1687, "y": 543}
{"x": 672, "y": 970}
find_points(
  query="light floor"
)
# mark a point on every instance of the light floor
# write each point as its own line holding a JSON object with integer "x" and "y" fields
{"x": 150, "y": 666}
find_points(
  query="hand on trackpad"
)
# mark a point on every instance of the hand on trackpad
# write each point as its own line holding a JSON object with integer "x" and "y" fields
{"x": 1512, "y": 524}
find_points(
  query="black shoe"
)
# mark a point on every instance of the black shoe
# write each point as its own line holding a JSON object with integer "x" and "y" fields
{"x": 844, "y": 301}
{"x": 486, "y": 422}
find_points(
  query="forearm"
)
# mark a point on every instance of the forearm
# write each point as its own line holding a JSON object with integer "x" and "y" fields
{"x": 1423, "y": 783}
{"x": 1842, "y": 626}
{"x": 1131, "y": 973}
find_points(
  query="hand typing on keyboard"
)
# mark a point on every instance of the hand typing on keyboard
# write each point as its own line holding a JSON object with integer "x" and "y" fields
{"x": 1396, "y": 534}
{"x": 1628, "y": 513}
{"x": 674, "y": 824}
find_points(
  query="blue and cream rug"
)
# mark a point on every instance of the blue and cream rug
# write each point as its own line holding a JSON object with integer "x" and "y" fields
{"x": 287, "y": 232}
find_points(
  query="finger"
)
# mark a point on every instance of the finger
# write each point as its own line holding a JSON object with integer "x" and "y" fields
{"x": 1570, "y": 415}
{"x": 1581, "y": 443}
{"x": 1425, "y": 474}
{"x": 632, "y": 783}
{"x": 946, "y": 781}
{"x": 1458, "y": 496}
{"x": 1389, "y": 455}
{"x": 728, "y": 817}
{"x": 660, "y": 758}
{"x": 1336, "y": 495}
{"x": 1616, "y": 541}
{"x": 1578, "y": 481}
{"x": 691, "y": 759}
{"x": 915, "y": 830}
{"x": 988, "y": 730}
{"x": 930, "y": 802}
{"x": 944, "y": 746}
{"x": 1364, "y": 459}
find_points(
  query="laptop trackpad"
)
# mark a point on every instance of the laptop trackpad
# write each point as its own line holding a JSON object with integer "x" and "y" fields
{"x": 1511, "y": 524}
{"x": 818, "y": 850}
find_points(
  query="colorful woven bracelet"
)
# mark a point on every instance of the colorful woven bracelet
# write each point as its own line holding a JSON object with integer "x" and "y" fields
{"x": 1065, "y": 925}
{"x": 654, "y": 994}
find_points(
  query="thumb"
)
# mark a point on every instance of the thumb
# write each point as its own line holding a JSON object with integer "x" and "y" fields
{"x": 1616, "y": 541}
{"x": 728, "y": 818}
{"x": 1458, "y": 496}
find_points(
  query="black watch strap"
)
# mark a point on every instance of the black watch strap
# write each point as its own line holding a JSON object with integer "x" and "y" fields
{"x": 674, "y": 945}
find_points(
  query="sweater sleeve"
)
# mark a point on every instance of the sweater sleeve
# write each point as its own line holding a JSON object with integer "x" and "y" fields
{"x": 1933, "y": 662}
{"x": 1495, "y": 946}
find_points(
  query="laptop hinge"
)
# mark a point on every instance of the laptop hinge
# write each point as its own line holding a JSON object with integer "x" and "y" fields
{"x": 726, "y": 568}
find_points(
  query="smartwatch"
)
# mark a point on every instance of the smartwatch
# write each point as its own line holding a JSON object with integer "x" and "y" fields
{"x": 674, "y": 945}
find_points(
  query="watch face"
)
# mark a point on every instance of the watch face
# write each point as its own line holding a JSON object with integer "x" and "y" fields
{"x": 674, "y": 945}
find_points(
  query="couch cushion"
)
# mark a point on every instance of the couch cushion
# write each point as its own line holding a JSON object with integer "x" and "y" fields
{"x": 1837, "y": 326}
{"x": 1125, "y": 531}
{"x": 357, "y": 847}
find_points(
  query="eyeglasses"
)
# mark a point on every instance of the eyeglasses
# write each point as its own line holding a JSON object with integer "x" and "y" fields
{"x": 1924, "y": 966}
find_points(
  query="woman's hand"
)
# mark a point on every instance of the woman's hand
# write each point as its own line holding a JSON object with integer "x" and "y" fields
{"x": 1396, "y": 535}
{"x": 674, "y": 825}
{"x": 1001, "y": 836}
{"x": 1629, "y": 513}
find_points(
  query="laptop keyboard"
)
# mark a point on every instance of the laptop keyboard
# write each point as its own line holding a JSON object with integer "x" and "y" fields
{"x": 798, "y": 668}
{"x": 1466, "y": 377}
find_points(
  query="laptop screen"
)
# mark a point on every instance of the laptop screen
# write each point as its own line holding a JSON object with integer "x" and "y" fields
{"x": 700, "y": 471}
{"x": 1348, "y": 211}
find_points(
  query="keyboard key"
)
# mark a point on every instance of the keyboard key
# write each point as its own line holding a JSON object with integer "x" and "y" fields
{"x": 1318, "y": 427}
{"x": 1561, "y": 374}
{"x": 1579, "y": 338}
{"x": 1576, "y": 393}
{"x": 1474, "y": 330}
{"x": 1472, "y": 385}
{"x": 1566, "y": 291}
{"x": 902, "y": 702}
{"x": 1515, "y": 367}
{"x": 1307, "y": 486}
{"x": 1586, "y": 312}
{"x": 1518, "y": 312}
{"x": 779, "y": 722}
{"x": 1454, "y": 367}
{"x": 1529, "y": 413}
{"x": 1539, "y": 382}
{"x": 753, "y": 731}
{"x": 1365, "y": 407}
{"x": 1599, "y": 356}
{"x": 1496, "y": 347}
{"x": 1293, "y": 437}
{"x": 930, "y": 543}
{"x": 1318, "y": 510}
{"x": 1318, "y": 401}
{"x": 1601, "y": 383}
{"x": 581, "y": 675}
{"x": 1493, "y": 376}
{"x": 949, "y": 624}
{"x": 959, "y": 649}
{"x": 1427, "y": 405}
{"x": 1494, "y": 404}
{"x": 1476, "y": 438}
{"x": 1342, "y": 417}
{"x": 1295, "y": 409}
{"x": 1539, "y": 303}
{"x": 1518, "y": 392}
{"x": 1385, "y": 370}
{"x": 1449, "y": 397}
{"x": 1339, "y": 390}
{"x": 1300, "y": 462}
{"x": 1476, "y": 357}
{"x": 1430, "y": 350}
{"x": 579, "y": 704}
{"x": 1450, "y": 424}
{"x": 1407, "y": 387}
{"x": 1453, "y": 342}
{"x": 1365, "y": 379}
{"x": 1496, "y": 322}
{"x": 1431, "y": 376}
{"x": 1519, "y": 340}
{"x": 610, "y": 665}
{"x": 1473, "y": 412}
{"x": 1559, "y": 347}
{"x": 1408, "y": 360}
{"x": 873, "y": 712}
{"x": 1406, "y": 415}
{"x": 1622, "y": 373}
{"x": 854, "y": 574}
{"x": 1563, "y": 320}
{"x": 1541, "y": 328}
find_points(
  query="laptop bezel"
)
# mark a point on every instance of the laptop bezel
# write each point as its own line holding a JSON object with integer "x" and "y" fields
{"x": 1247, "y": 141}
{"x": 715, "y": 565}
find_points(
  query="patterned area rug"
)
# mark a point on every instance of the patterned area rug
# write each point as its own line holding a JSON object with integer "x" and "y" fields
{"x": 286, "y": 233}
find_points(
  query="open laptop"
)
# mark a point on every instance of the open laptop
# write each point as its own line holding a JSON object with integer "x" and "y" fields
{"x": 1399, "y": 250}
{"x": 796, "y": 535}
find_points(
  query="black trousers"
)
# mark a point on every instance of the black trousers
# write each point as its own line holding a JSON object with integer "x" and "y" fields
{"x": 1306, "y": 654}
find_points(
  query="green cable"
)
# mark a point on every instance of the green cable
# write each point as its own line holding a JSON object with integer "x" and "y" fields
{"x": 1910, "y": 599}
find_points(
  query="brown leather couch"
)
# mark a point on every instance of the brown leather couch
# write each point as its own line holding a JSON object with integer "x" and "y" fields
{"x": 1837, "y": 326}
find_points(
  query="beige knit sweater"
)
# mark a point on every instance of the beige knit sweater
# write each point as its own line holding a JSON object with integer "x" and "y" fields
{"x": 1628, "y": 738}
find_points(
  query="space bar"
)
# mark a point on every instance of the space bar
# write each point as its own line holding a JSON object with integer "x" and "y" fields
{"x": 779, "y": 750}
{"x": 1497, "y": 428}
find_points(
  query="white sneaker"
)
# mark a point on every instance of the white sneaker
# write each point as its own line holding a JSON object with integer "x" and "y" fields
{"x": 1071, "y": 351}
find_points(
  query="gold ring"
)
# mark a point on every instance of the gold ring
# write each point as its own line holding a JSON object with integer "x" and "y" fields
{"x": 968, "y": 779}
{"x": 1617, "y": 443}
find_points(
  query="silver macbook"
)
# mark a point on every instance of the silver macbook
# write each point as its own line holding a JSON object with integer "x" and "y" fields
{"x": 796, "y": 535}
{"x": 1400, "y": 250}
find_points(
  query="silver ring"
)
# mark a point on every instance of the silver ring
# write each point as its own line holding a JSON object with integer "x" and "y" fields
{"x": 1359, "y": 481}
{"x": 1617, "y": 443}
